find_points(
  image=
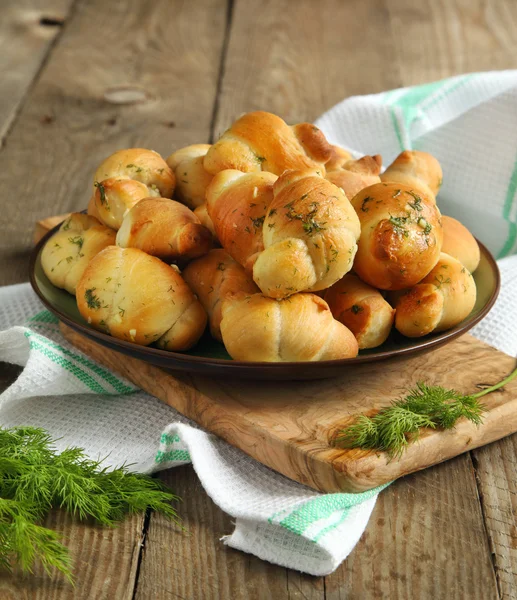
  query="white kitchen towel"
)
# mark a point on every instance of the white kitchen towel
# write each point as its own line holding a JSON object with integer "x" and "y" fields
{"x": 470, "y": 124}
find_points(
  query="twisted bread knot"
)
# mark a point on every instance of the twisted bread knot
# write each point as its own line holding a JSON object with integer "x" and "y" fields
{"x": 419, "y": 170}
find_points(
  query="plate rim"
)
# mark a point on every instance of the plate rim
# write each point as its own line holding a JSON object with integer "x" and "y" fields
{"x": 236, "y": 365}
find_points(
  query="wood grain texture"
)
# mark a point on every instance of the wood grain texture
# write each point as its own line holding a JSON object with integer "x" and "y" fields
{"x": 290, "y": 426}
{"x": 28, "y": 30}
{"x": 424, "y": 536}
{"x": 193, "y": 563}
{"x": 154, "y": 86}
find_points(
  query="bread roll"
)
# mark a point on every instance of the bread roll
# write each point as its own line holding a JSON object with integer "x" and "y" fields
{"x": 67, "y": 253}
{"x": 338, "y": 157}
{"x": 191, "y": 177}
{"x": 211, "y": 278}
{"x": 164, "y": 228}
{"x": 310, "y": 236}
{"x": 201, "y": 213}
{"x": 440, "y": 301}
{"x": 401, "y": 235}
{"x": 362, "y": 309}
{"x": 126, "y": 177}
{"x": 138, "y": 298}
{"x": 460, "y": 243}
{"x": 300, "y": 328}
{"x": 261, "y": 141}
{"x": 418, "y": 170}
{"x": 355, "y": 175}
{"x": 237, "y": 204}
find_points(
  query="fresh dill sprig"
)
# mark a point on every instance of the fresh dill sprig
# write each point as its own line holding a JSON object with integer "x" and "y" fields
{"x": 393, "y": 428}
{"x": 35, "y": 477}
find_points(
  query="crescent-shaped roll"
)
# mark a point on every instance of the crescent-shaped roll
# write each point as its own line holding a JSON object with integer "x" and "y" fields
{"x": 201, "y": 213}
{"x": 164, "y": 228}
{"x": 67, "y": 253}
{"x": 419, "y": 170}
{"x": 362, "y": 309}
{"x": 355, "y": 175}
{"x": 212, "y": 277}
{"x": 401, "y": 235}
{"x": 300, "y": 328}
{"x": 138, "y": 298}
{"x": 440, "y": 301}
{"x": 310, "y": 236}
{"x": 460, "y": 243}
{"x": 191, "y": 177}
{"x": 261, "y": 141}
{"x": 237, "y": 204}
{"x": 126, "y": 177}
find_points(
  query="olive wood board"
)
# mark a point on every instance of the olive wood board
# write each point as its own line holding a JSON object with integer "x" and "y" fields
{"x": 290, "y": 426}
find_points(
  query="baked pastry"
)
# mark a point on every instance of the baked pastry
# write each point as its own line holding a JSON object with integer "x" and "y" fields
{"x": 418, "y": 170}
{"x": 362, "y": 309}
{"x": 201, "y": 213}
{"x": 126, "y": 177}
{"x": 338, "y": 157}
{"x": 212, "y": 277}
{"x": 261, "y": 141}
{"x": 355, "y": 175}
{"x": 67, "y": 253}
{"x": 191, "y": 177}
{"x": 138, "y": 298}
{"x": 310, "y": 236}
{"x": 460, "y": 243}
{"x": 440, "y": 301}
{"x": 237, "y": 204}
{"x": 164, "y": 228}
{"x": 300, "y": 328}
{"x": 401, "y": 235}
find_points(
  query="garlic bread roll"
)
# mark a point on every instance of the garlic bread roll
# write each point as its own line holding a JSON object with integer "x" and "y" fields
{"x": 237, "y": 204}
{"x": 126, "y": 177}
{"x": 212, "y": 277}
{"x": 138, "y": 298}
{"x": 191, "y": 177}
{"x": 164, "y": 228}
{"x": 67, "y": 253}
{"x": 460, "y": 243}
{"x": 440, "y": 301}
{"x": 201, "y": 213}
{"x": 310, "y": 236}
{"x": 300, "y": 328}
{"x": 418, "y": 170}
{"x": 338, "y": 157}
{"x": 362, "y": 309}
{"x": 401, "y": 235}
{"x": 355, "y": 175}
{"x": 261, "y": 141}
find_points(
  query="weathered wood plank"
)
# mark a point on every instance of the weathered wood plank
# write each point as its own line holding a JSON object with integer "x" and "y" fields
{"x": 193, "y": 563}
{"x": 28, "y": 30}
{"x": 152, "y": 86}
{"x": 425, "y": 539}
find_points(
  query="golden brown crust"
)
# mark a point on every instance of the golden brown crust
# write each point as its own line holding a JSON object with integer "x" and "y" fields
{"x": 401, "y": 235}
{"x": 338, "y": 157}
{"x": 212, "y": 277}
{"x": 66, "y": 254}
{"x": 191, "y": 177}
{"x": 164, "y": 228}
{"x": 237, "y": 204}
{"x": 443, "y": 299}
{"x": 309, "y": 234}
{"x": 460, "y": 243}
{"x": 300, "y": 328}
{"x": 201, "y": 213}
{"x": 419, "y": 170}
{"x": 114, "y": 198}
{"x": 138, "y": 298}
{"x": 355, "y": 175}
{"x": 261, "y": 141}
{"x": 362, "y": 309}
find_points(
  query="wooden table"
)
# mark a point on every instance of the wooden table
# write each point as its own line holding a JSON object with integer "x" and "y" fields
{"x": 80, "y": 79}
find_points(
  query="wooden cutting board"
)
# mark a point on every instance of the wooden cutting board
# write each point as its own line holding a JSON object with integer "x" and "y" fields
{"x": 291, "y": 426}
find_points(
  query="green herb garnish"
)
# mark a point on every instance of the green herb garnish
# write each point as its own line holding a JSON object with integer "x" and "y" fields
{"x": 393, "y": 428}
{"x": 221, "y": 266}
{"x": 77, "y": 240}
{"x": 356, "y": 309}
{"x": 102, "y": 194}
{"x": 92, "y": 300}
{"x": 35, "y": 477}
{"x": 365, "y": 208}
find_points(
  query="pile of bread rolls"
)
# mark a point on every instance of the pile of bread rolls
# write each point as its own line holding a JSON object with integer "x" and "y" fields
{"x": 285, "y": 245}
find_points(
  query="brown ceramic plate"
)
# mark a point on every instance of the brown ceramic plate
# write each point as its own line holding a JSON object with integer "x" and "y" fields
{"x": 209, "y": 357}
